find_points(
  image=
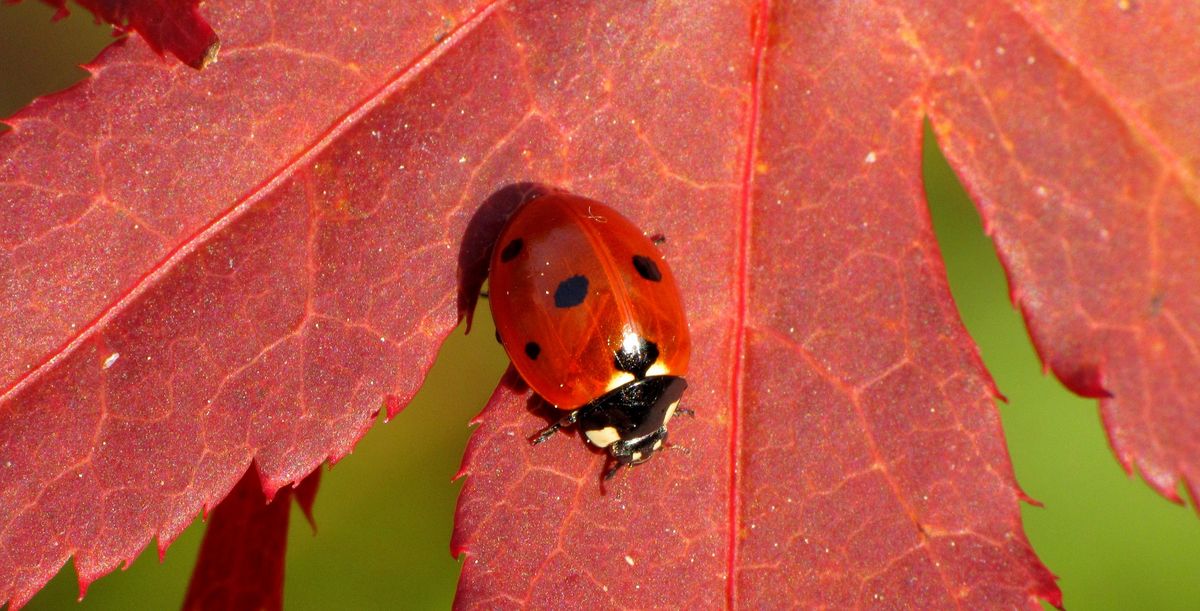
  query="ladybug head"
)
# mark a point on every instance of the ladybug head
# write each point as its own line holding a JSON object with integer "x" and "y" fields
{"x": 631, "y": 421}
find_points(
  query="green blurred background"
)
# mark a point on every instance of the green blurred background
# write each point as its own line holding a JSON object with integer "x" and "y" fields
{"x": 385, "y": 512}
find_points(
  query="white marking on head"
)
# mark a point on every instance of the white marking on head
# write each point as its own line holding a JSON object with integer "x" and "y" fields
{"x": 658, "y": 445}
{"x": 619, "y": 379}
{"x": 658, "y": 369}
{"x": 670, "y": 413}
{"x": 637, "y": 456}
{"x": 602, "y": 438}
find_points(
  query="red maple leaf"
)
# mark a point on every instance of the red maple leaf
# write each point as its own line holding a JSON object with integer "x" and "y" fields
{"x": 166, "y": 25}
{"x": 247, "y": 263}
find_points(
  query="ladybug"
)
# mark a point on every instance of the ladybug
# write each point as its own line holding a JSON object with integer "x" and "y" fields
{"x": 588, "y": 311}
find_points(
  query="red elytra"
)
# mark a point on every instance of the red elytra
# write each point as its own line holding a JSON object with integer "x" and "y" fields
{"x": 589, "y": 313}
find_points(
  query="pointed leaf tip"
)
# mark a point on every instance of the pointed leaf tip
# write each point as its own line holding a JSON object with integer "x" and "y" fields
{"x": 306, "y": 496}
{"x": 392, "y": 406}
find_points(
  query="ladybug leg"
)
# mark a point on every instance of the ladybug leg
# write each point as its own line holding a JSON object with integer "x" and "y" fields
{"x": 613, "y": 471}
{"x": 547, "y": 432}
{"x": 685, "y": 411}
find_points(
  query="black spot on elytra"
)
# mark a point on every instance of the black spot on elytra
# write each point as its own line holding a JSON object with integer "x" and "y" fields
{"x": 532, "y": 350}
{"x": 638, "y": 360}
{"x": 511, "y": 250}
{"x": 647, "y": 268}
{"x": 571, "y": 292}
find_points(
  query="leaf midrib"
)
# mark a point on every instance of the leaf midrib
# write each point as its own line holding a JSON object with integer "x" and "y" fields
{"x": 759, "y": 33}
